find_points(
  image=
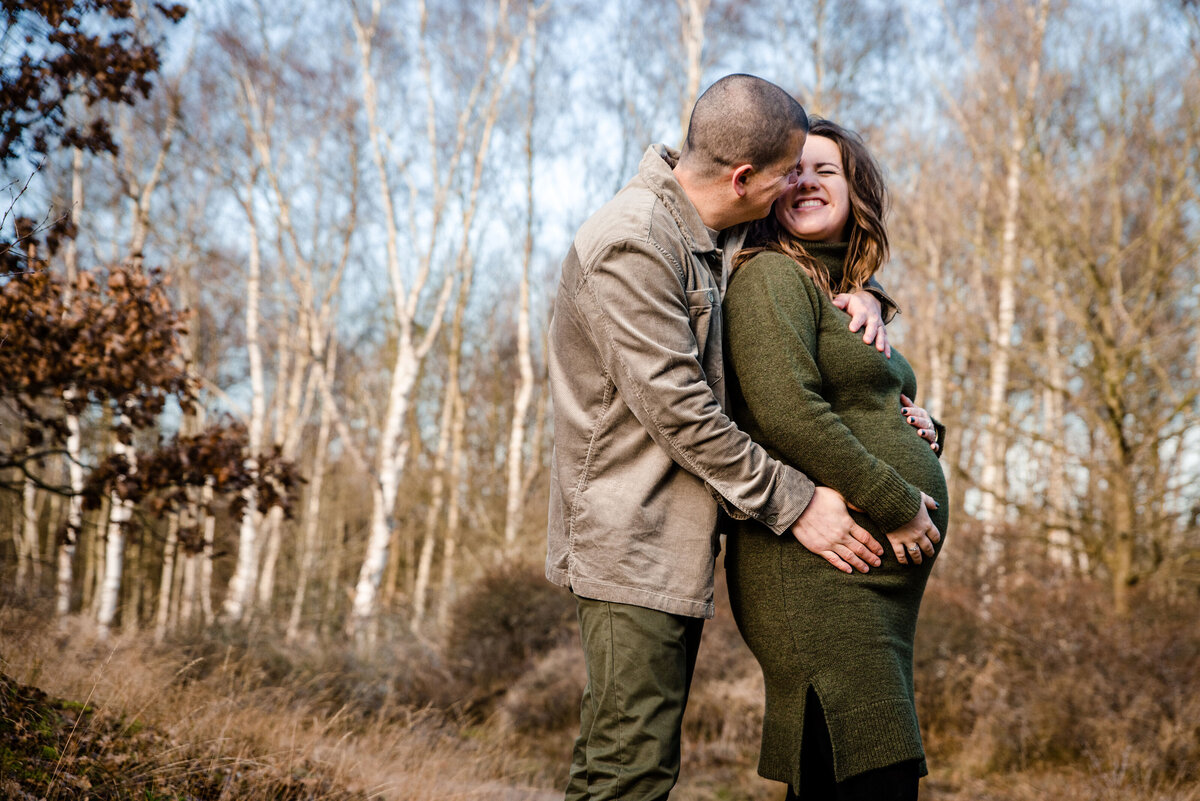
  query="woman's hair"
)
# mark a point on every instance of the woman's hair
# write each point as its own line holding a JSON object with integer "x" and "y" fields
{"x": 868, "y": 238}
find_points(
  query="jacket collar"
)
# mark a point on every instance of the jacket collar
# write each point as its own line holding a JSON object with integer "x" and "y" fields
{"x": 656, "y": 170}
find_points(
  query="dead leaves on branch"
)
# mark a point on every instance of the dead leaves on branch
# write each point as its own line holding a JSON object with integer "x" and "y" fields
{"x": 167, "y": 477}
{"x": 113, "y": 338}
{"x": 94, "y": 50}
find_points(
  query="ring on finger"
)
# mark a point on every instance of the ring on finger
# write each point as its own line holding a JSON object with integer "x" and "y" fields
{"x": 914, "y": 550}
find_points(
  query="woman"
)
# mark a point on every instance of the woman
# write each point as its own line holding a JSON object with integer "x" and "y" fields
{"x": 835, "y": 649}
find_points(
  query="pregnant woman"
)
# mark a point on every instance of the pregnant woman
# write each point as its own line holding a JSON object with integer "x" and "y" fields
{"x": 835, "y": 648}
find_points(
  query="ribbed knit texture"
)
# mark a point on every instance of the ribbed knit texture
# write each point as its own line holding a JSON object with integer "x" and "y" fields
{"x": 817, "y": 397}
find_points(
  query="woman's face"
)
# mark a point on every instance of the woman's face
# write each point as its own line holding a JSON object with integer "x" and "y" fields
{"x": 817, "y": 207}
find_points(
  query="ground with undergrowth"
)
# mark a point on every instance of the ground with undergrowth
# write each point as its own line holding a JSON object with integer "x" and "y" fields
{"x": 56, "y": 749}
{"x": 1041, "y": 693}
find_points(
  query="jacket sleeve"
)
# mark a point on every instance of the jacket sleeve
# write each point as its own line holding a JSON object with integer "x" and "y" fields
{"x": 772, "y": 315}
{"x": 888, "y": 307}
{"x": 638, "y": 313}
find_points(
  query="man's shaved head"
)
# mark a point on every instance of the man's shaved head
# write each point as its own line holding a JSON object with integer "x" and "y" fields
{"x": 741, "y": 119}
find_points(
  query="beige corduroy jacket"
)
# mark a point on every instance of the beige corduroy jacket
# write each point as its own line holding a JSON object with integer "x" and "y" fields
{"x": 642, "y": 446}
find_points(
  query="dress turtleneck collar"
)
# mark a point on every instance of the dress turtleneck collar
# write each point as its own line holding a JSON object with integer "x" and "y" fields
{"x": 832, "y": 256}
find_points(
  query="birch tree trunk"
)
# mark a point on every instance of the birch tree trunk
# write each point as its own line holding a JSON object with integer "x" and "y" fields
{"x": 240, "y": 595}
{"x": 437, "y": 491}
{"x": 1060, "y": 549}
{"x": 121, "y": 512}
{"x": 162, "y": 617}
{"x": 523, "y": 394}
{"x": 74, "y": 527}
{"x": 28, "y": 556}
{"x": 993, "y": 477}
{"x": 266, "y": 574}
{"x": 413, "y": 341}
{"x": 97, "y": 548}
{"x": 312, "y": 509}
{"x": 187, "y": 595}
{"x": 454, "y": 515}
{"x": 691, "y": 36}
{"x": 205, "y": 557}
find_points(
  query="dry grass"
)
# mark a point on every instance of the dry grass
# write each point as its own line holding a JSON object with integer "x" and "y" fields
{"x": 1044, "y": 696}
{"x": 225, "y": 716}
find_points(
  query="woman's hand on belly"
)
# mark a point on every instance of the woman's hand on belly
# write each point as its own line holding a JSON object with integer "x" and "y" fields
{"x": 916, "y": 538}
{"x": 919, "y": 419}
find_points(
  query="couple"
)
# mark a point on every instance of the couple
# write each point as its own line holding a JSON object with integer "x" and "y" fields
{"x": 782, "y": 416}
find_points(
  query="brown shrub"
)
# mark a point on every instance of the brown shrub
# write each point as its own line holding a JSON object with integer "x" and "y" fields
{"x": 1047, "y": 677}
{"x": 546, "y": 698}
{"x": 725, "y": 705}
{"x": 507, "y": 618}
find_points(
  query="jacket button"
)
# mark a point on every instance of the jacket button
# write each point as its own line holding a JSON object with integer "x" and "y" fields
{"x": 710, "y": 296}
{"x": 771, "y": 520}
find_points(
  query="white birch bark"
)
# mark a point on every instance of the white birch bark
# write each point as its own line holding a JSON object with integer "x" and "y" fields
{"x": 523, "y": 393}
{"x": 454, "y": 515}
{"x": 120, "y": 513}
{"x": 465, "y": 264}
{"x": 1059, "y": 539}
{"x": 205, "y": 558}
{"x": 691, "y": 35}
{"x": 187, "y": 595}
{"x": 98, "y": 548}
{"x": 993, "y": 478}
{"x": 162, "y": 618}
{"x": 312, "y": 508}
{"x": 240, "y": 595}
{"x": 437, "y": 493}
{"x": 412, "y": 342}
{"x": 297, "y": 365}
{"x": 266, "y": 573}
{"x": 66, "y": 548}
{"x": 27, "y": 554}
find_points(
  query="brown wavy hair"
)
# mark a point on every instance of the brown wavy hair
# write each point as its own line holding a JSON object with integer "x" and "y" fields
{"x": 868, "y": 239}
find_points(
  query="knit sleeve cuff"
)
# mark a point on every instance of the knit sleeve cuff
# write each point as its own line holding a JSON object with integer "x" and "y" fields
{"x": 888, "y": 499}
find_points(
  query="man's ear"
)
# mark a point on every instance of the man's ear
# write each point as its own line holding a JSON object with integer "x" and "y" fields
{"x": 740, "y": 178}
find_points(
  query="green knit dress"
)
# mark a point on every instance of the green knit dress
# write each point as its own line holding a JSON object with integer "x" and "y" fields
{"x": 810, "y": 391}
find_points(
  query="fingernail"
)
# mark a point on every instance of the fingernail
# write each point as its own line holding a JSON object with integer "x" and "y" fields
{"x": 937, "y": 505}
{"x": 910, "y": 420}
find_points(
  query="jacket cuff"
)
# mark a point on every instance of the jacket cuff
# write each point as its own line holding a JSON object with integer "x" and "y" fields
{"x": 731, "y": 511}
{"x": 941, "y": 437}
{"x": 793, "y": 491}
{"x": 888, "y": 306}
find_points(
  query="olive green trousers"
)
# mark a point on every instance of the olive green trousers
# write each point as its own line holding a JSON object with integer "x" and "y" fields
{"x": 639, "y": 669}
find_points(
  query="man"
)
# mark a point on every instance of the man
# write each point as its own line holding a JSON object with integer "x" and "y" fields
{"x": 643, "y": 453}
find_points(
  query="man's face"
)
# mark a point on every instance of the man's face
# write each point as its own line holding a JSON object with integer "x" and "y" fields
{"x": 764, "y": 187}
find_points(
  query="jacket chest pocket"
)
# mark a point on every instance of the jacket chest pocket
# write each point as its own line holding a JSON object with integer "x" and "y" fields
{"x": 705, "y": 318}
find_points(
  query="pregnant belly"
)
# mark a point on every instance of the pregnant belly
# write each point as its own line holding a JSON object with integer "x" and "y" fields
{"x": 901, "y": 447}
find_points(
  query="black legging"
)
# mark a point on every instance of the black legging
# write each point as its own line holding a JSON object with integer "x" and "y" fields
{"x": 892, "y": 783}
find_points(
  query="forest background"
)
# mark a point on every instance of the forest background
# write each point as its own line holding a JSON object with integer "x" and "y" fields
{"x": 274, "y": 427}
